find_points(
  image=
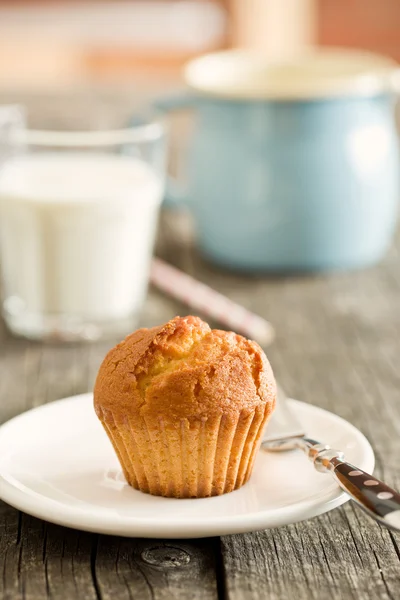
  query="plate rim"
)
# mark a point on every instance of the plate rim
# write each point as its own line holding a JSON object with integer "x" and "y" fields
{"x": 102, "y": 521}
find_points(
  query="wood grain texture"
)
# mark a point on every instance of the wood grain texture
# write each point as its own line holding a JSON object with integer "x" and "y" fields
{"x": 337, "y": 346}
{"x": 155, "y": 570}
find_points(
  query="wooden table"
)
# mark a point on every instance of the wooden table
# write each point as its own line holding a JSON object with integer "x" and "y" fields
{"x": 338, "y": 346}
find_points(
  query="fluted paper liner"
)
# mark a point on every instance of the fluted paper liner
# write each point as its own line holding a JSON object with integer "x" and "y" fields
{"x": 189, "y": 458}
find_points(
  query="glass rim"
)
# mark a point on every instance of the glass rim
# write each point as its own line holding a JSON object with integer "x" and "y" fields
{"x": 146, "y": 133}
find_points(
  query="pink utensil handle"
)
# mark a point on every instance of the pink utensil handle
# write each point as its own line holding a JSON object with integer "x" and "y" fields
{"x": 201, "y": 297}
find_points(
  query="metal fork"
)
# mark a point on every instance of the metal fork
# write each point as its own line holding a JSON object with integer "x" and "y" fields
{"x": 284, "y": 432}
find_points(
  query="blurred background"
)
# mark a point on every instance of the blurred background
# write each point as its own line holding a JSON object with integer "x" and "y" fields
{"x": 124, "y": 46}
{"x": 91, "y": 64}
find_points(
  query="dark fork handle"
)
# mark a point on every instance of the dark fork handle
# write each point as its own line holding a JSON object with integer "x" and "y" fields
{"x": 379, "y": 500}
{"x": 375, "y": 497}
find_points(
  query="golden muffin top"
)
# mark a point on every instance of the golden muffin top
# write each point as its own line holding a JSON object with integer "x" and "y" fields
{"x": 184, "y": 369}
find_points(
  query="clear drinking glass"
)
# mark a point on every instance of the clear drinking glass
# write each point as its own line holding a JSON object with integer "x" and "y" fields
{"x": 78, "y": 215}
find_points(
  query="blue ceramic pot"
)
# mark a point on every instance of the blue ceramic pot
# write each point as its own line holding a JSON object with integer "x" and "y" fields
{"x": 294, "y": 179}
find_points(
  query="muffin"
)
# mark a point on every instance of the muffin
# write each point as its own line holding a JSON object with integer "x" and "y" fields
{"x": 185, "y": 407}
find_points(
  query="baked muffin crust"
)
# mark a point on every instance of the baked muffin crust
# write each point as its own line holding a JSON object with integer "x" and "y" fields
{"x": 185, "y": 370}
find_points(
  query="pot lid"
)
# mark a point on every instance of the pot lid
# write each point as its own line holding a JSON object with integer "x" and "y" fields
{"x": 316, "y": 73}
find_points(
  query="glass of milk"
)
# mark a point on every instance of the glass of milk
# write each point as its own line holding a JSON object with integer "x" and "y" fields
{"x": 78, "y": 215}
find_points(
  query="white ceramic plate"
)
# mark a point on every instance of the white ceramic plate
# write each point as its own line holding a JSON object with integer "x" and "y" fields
{"x": 56, "y": 463}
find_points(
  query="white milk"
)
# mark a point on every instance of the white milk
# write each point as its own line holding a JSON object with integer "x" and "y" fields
{"x": 76, "y": 233}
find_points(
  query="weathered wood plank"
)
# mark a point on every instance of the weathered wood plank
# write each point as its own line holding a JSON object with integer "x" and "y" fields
{"x": 40, "y": 560}
{"x": 54, "y": 562}
{"x": 154, "y": 570}
{"x": 9, "y": 551}
{"x": 338, "y": 556}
